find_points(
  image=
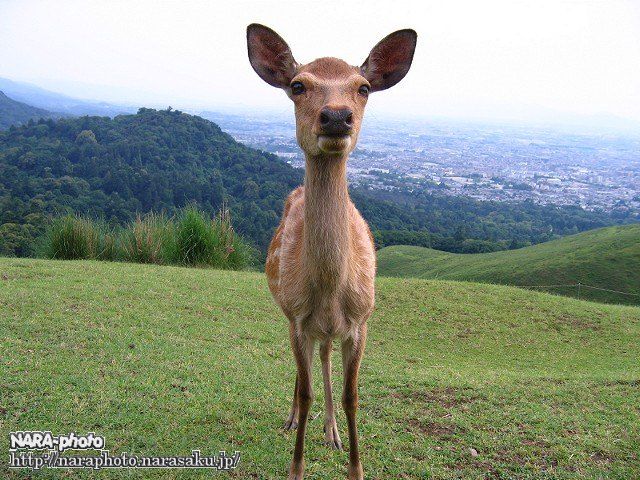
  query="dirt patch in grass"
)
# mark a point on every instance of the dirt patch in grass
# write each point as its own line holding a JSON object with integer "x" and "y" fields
{"x": 623, "y": 383}
{"x": 601, "y": 457}
{"x": 7, "y": 277}
{"x": 506, "y": 463}
{"x": 447, "y": 397}
{"x": 441, "y": 431}
{"x": 528, "y": 442}
{"x": 553, "y": 381}
{"x": 466, "y": 333}
{"x": 583, "y": 323}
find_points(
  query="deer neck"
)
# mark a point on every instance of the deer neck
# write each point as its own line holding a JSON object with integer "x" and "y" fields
{"x": 326, "y": 220}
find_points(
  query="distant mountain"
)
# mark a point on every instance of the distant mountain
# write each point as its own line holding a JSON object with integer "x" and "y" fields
{"x": 161, "y": 160}
{"x": 57, "y": 102}
{"x": 607, "y": 258}
{"x": 18, "y": 113}
{"x": 116, "y": 168}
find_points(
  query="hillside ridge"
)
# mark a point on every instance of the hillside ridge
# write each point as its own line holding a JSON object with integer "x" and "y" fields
{"x": 13, "y": 112}
{"x": 57, "y": 102}
{"x": 606, "y": 258}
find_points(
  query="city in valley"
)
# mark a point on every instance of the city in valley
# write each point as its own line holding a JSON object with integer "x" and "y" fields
{"x": 597, "y": 171}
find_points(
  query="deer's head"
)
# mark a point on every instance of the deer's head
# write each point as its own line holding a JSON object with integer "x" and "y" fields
{"x": 329, "y": 94}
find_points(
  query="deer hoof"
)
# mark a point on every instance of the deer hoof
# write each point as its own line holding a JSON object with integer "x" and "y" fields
{"x": 331, "y": 435}
{"x": 296, "y": 472}
{"x": 355, "y": 472}
{"x": 290, "y": 424}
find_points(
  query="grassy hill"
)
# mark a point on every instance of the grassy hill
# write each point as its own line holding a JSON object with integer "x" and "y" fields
{"x": 163, "y": 360}
{"x": 607, "y": 258}
{"x": 18, "y": 113}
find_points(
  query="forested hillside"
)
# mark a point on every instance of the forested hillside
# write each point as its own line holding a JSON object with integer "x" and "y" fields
{"x": 155, "y": 160}
{"x": 117, "y": 167}
{"x": 18, "y": 113}
{"x": 464, "y": 225}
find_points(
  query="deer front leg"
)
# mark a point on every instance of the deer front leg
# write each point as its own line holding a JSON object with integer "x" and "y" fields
{"x": 303, "y": 352}
{"x": 352, "y": 350}
{"x": 331, "y": 436}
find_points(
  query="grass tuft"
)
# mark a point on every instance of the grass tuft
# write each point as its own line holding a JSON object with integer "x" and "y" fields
{"x": 73, "y": 237}
{"x": 147, "y": 239}
{"x": 201, "y": 241}
{"x": 197, "y": 243}
{"x": 191, "y": 238}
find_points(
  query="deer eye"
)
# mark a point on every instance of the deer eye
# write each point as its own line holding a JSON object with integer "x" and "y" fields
{"x": 297, "y": 88}
{"x": 364, "y": 90}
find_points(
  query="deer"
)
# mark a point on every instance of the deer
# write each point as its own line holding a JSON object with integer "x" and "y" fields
{"x": 321, "y": 261}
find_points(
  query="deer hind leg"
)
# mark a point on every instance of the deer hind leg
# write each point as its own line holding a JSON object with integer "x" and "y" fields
{"x": 331, "y": 436}
{"x": 352, "y": 350}
{"x": 292, "y": 420}
{"x": 302, "y": 347}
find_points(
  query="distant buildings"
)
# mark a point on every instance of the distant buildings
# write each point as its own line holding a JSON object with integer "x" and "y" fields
{"x": 482, "y": 162}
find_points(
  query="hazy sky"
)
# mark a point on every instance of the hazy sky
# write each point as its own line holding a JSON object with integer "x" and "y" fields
{"x": 511, "y": 59}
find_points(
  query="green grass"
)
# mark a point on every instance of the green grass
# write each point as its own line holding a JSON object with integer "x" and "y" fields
{"x": 162, "y": 360}
{"x": 73, "y": 237}
{"x": 607, "y": 258}
{"x": 148, "y": 239}
{"x": 189, "y": 238}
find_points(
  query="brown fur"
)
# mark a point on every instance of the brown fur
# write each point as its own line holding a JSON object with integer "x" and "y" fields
{"x": 321, "y": 262}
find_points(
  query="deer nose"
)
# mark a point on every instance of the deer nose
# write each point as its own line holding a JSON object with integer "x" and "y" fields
{"x": 336, "y": 121}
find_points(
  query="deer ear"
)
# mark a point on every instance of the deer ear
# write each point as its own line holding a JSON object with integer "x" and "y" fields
{"x": 270, "y": 56}
{"x": 390, "y": 59}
